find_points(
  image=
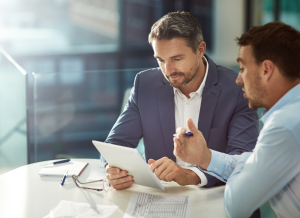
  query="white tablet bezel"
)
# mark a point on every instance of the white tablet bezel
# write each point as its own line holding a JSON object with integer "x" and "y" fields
{"x": 129, "y": 159}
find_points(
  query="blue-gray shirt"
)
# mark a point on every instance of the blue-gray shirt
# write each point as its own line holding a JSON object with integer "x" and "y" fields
{"x": 272, "y": 171}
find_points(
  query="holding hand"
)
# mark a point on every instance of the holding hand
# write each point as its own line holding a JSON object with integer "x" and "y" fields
{"x": 191, "y": 149}
{"x": 118, "y": 178}
{"x": 167, "y": 170}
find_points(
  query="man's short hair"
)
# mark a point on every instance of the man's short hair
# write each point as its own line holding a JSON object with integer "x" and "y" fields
{"x": 177, "y": 25}
{"x": 277, "y": 42}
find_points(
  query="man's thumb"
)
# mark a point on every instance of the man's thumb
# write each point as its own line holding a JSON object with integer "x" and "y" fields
{"x": 191, "y": 126}
{"x": 151, "y": 161}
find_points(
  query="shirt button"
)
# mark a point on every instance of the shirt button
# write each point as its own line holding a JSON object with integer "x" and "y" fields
{"x": 216, "y": 169}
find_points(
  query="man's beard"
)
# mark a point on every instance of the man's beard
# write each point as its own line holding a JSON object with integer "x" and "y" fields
{"x": 187, "y": 78}
{"x": 257, "y": 95}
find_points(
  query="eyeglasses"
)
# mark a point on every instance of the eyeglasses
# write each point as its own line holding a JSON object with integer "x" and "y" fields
{"x": 106, "y": 185}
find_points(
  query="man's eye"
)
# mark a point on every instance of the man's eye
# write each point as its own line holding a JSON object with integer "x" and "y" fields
{"x": 159, "y": 60}
{"x": 177, "y": 59}
{"x": 241, "y": 69}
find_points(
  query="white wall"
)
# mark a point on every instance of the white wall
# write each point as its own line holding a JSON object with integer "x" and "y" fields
{"x": 228, "y": 23}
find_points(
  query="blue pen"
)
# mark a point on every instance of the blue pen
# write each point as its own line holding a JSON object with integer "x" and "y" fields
{"x": 56, "y": 162}
{"x": 63, "y": 179}
{"x": 186, "y": 134}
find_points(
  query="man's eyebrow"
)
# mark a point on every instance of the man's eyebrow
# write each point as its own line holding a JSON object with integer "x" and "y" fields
{"x": 177, "y": 56}
{"x": 239, "y": 60}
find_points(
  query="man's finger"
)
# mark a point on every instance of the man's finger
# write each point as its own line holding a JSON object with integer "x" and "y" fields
{"x": 151, "y": 161}
{"x": 166, "y": 165}
{"x": 171, "y": 176}
{"x": 117, "y": 175}
{"x": 112, "y": 170}
{"x": 177, "y": 143}
{"x": 180, "y": 130}
{"x": 123, "y": 185}
{"x": 182, "y": 138}
{"x": 121, "y": 180}
{"x": 156, "y": 164}
{"x": 165, "y": 174}
{"x": 191, "y": 126}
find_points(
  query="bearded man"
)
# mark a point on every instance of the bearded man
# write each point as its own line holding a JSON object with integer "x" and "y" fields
{"x": 187, "y": 84}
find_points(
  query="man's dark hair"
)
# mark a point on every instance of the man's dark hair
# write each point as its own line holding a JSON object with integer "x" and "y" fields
{"x": 277, "y": 42}
{"x": 177, "y": 25}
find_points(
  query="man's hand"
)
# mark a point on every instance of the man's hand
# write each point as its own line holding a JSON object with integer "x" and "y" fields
{"x": 167, "y": 170}
{"x": 191, "y": 149}
{"x": 118, "y": 178}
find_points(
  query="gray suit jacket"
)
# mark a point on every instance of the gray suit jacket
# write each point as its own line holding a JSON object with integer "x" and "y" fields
{"x": 227, "y": 123}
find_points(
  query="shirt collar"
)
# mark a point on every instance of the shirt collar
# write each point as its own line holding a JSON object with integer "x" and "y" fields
{"x": 289, "y": 96}
{"x": 201, "y": 87}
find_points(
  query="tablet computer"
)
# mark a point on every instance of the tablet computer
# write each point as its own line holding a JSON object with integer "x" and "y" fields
{"x": 129, "y": 159}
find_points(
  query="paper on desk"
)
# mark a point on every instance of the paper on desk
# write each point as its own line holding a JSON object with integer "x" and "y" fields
{"x": 78, "y": 210}
{"x": 151, "y": 206}
{"x": 73, "y": 168}
{"x": 97, "y": 174}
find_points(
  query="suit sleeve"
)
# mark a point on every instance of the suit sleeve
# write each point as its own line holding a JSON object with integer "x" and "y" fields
{"x": 127, "y": 130}
{"x": 242, "y": 133}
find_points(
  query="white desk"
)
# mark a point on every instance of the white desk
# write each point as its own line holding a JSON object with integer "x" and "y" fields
{"x": 25, "y": 194}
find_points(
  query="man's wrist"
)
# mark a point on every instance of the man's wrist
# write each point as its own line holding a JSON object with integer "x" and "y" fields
{"x": 206, "y": 159}
{"x": 194, "y": 179}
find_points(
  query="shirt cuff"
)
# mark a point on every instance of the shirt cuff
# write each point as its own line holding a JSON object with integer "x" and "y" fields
{"x": 217, "y": 163}
{"x": 200, "y": 174}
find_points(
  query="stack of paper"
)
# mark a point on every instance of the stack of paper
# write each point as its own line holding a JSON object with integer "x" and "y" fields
{"x": 73, "y": 168}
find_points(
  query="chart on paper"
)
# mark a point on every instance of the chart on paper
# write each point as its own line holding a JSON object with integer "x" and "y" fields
{"x": 163, "y": 206}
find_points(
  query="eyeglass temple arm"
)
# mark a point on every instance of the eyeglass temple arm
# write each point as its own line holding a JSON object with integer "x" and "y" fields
{"x": 99, "y": 190}
{"x": 89, "y": 182}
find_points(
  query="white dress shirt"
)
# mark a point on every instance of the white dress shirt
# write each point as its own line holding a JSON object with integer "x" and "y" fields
{"x": 189, "y": 108}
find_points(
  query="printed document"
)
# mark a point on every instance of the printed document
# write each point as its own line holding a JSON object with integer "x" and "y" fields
{"x": 74, "y": 209}
{"x": 163, "y": 206}
{"x": 97, "y": 174}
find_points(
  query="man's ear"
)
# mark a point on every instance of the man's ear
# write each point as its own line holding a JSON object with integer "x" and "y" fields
{"x": 268, "y": 69}
{"x": 201, "y": 49}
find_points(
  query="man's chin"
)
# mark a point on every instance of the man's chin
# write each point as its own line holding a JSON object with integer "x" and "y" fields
{"x": 253, "y": 105}
{"x": 176, "y": 84}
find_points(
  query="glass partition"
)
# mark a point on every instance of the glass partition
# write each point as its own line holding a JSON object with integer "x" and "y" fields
{"x": 70, "y": 109}
{"x": 13, "y": 129}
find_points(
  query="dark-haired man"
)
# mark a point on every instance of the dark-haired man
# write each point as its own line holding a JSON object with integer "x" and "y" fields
{"x": 187, "y": 84}
{"x": 269, "y": 74}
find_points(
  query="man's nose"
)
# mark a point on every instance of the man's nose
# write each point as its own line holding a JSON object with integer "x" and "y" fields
{"x": 169, "y": 68}
{"x": 239, "y": 80}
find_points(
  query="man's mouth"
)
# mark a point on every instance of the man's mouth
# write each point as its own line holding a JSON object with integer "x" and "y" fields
{"x": 245, "y": 95}
{"x": 175, "y": 77}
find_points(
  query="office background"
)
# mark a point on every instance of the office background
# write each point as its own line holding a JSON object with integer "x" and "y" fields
{"x": 65, "y": 65}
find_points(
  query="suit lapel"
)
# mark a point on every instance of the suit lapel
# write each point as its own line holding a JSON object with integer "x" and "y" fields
{"x": 165, "y": 97}
{"x": 210, "y": 98}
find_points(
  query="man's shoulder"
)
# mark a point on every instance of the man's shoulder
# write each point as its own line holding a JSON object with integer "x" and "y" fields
{"x": 150, "y": 77}
{"x": 226, "y": 75}
{"x": 150, "y": 73}
{"x": 287, "y": 117}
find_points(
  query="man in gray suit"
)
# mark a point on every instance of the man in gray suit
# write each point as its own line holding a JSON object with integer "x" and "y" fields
{"x": 187, "y": 84}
